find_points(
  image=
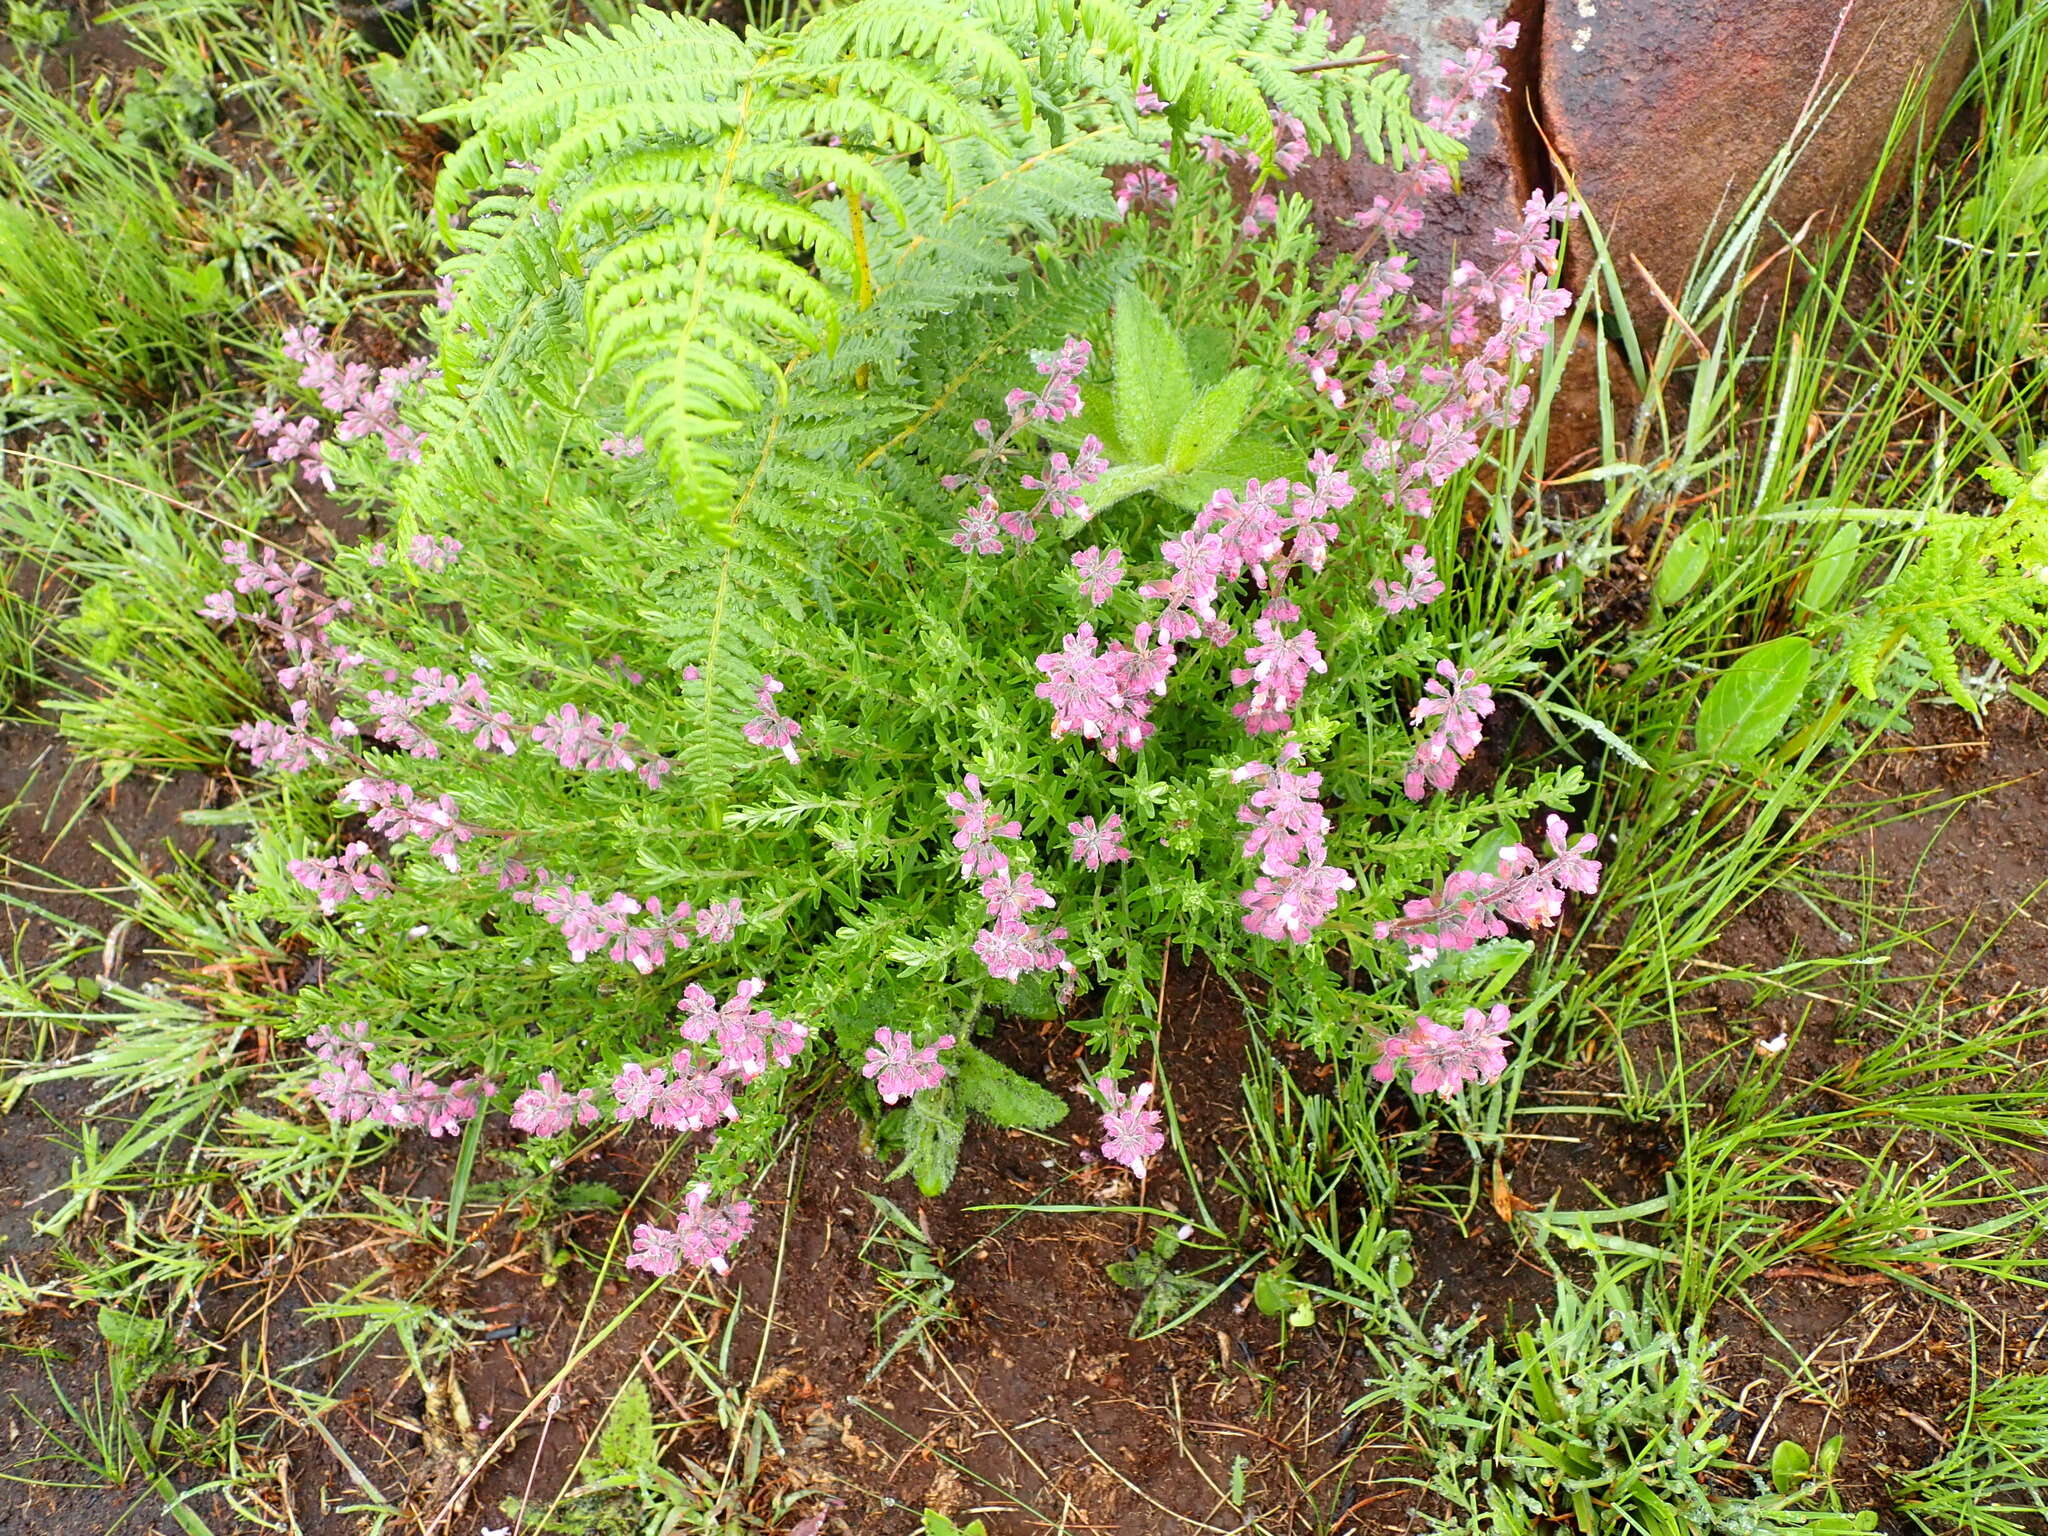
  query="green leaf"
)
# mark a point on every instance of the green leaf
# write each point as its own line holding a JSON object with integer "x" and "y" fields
{"x": 1789, "y": 1466}
{"x": 1246, "y": 458}
{"x": 137, "y": 1348}
{"x": 1153, "y": 386}
{"x": 1214, "y": 420}
{"x": 936, "y": 1524}
{"x": 1685, "y": 562}
{"x": 1832, "y": 568}
{"x": 627, "y": 1443}
{"x": 1124, "y": 480}
{"x": 1272, "y": 1292}
{"x": 1745, "y": 712}
{"x": 997, "y": 1093}
{"x": 933, "y": 1123}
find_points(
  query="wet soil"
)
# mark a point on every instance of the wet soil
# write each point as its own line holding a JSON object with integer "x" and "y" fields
{"x": 1027, "y": 1401}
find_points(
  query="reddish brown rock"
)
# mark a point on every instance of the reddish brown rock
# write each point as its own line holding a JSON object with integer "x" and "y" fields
{"x": 1667, "y": 112}
{"x": 1662, "y": 114}
{"x": 1496, "y": 177}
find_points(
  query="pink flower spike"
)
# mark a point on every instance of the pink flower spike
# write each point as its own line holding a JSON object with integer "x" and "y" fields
{"x": 900, "y": 1068}
{"x": 1445, "y": 1060}
{"x": 1096, "y": 846}
{"x": 1130, "y": 1131}
{"x": 635, "y": 1089}
{"x": 1099, "y": 571}
{"x": 717, "y": 923}
{"x": 704, "y": 1235}
{"x": 771, "y": 728}
{"x": 1146, "y": 188}
{"x": 1569, "y": 865}
{"x": 549, "y": 1109}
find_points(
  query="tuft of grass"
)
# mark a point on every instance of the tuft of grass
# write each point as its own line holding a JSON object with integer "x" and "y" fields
{"x": 153, "y": 684}
{"x": 1594, "y": 1420}
{"x": 105, "y": 292}
{"x": 1993, "y": 1479}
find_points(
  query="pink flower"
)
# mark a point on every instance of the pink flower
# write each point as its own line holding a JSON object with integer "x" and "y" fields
{"x": 549, "y": 1109}
{"x": 1472, "y": 906}
{"x": 345, "y": 1089}
{"x": 771, "y": 728}
{"x": 704, "y": 1234}
{"x": 1059, "y": 397}
{"x": 1279, "y": 670}
{"x": 1288, "y": 905}
{"x": 749, "y": 1039}
{"x": 1263, "y": 212}
{"x": 1013, "y": 895}
{"x": 1288, "y": 822}
{"x": 1445, "y": 1060}
{"x": 975, "y": 831}
{"x": 1095, "y": 846}
{"x": 1130, "y": 1131}
{"x": 695, "y": 1097}
{"x": 978, "y": 533}
{"x": 1099, "y": 571}
{"x": 433, "y": 554}
{"x": 1461, "y": 702}
{"x": 351, "y": 873}
{"x": 635, "y": 1089}
{"x": 1422, "y": 587}
{"x": 621, "y": 447}
{"x": 709, "y": 1232}
{"x": 1569, "y": 867}
{"x": 900, "y": 1068}
{"x": 1146, "y": 188}
{"x": 717, "y": 923}
{"x": 580, "y": 740}
{"x": 1081, "y": 685}
{"x": 1009, "y": 948}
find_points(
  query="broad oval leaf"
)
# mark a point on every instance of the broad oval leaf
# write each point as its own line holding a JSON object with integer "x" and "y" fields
{"x": 1745, "y": 712}
{"x": 1215, "y": 419}
{"x": 1685, "y": 562}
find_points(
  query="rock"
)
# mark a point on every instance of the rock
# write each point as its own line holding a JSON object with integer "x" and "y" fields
{"x": 1662, "y": 114}
{"x": 1495, "y": 178}
{"x": 1667, "y": 112}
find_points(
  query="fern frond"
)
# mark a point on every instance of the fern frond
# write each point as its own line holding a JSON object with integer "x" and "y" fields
{"x": 1977, "y": 580}
{"x": 708, "y": 186}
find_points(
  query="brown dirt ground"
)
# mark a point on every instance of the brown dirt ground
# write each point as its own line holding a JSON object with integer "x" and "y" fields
{"x": 1034, "y": 1406}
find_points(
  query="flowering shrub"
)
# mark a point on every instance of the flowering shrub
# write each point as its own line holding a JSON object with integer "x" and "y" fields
{"x": 1060, "y": 631}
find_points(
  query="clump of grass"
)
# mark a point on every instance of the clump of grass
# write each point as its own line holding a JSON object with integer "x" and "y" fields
{"x": 1594, "y": 1421}
{"x": 104, "y": 291}
{"x": 156, "y": 686}
{"x": 1993, "y": 1480}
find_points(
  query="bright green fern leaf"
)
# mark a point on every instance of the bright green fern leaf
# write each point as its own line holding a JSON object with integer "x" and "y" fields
{"x": 721, "y": 207}
{"x": 1976, "y": 580}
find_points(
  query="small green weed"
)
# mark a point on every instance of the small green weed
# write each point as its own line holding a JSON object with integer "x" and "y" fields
{"x": 1596, "y": 1422}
